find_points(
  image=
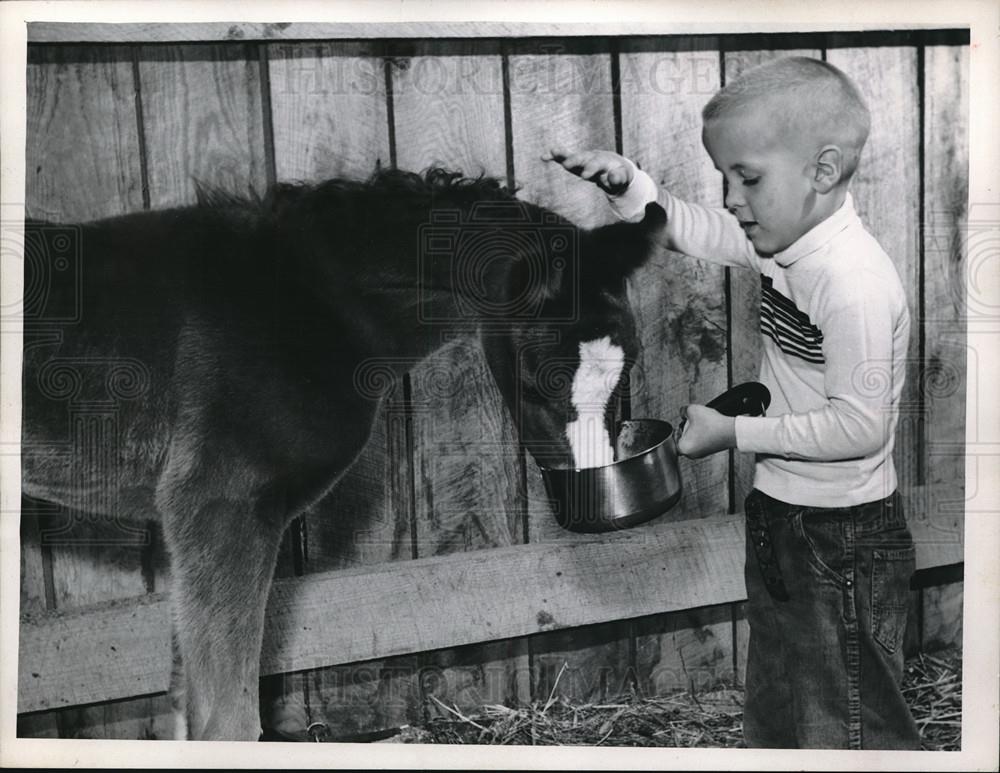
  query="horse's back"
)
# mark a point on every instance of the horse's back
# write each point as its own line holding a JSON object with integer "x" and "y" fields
{"x": 200, "y": 339}
{"x": 107, "y": 305}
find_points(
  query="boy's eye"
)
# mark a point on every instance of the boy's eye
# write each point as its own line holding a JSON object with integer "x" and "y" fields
{"x": 751, "y": 180}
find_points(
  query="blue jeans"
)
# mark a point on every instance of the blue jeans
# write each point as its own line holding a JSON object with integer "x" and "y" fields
{"x": 827, "y": 600}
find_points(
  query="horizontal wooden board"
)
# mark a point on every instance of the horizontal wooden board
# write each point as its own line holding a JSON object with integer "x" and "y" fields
{"x": 152, "y": 32}
{"x": 54, "y": 32}
{"x": 122, "y": 648}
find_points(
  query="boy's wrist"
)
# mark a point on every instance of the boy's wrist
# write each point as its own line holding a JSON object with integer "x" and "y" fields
{"x": 743, "y": 433}
{"x": 631, "y": 203}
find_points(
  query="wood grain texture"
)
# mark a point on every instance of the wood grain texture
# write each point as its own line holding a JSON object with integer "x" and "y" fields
{"x": 691, "y": 650}
{"x": 886, "y": 189}
{"x": 582, "y": 666}
{"x": 32, "y": 561}
{"x": 742, "y": 628}
{"x": 366, "y": 518}
{"x": 203, "y": 120}
{"x": 121, "y": 648}
{"x": 82, "y": 159}
{"x": 744, "y": 286}
{"x": 448, "y": 105}
{"x": 152, "y": 32}
{"x": 44, "y": 724}
{"x": 564, "y": 98}
{"x": 680, "y": 303}
{"x": 947, "y": 240}
{"x": 465, "y": 455}
{"x": 943, "y": 620}
{"x": 448, "y": 108}
{"x": 542, "y": 524}
{"x": 561, "y": 96}
{"x": 365, "y": 697}
{"x": 468, "y": 678}
{"x": 159, "y": 32}
{"x": 328, "y": 109}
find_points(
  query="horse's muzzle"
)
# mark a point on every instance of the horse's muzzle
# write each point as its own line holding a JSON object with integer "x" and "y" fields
{"x": 645, "y": 482}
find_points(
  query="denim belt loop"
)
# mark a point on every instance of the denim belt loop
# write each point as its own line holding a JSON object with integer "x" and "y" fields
{"x": 759, "y": 533}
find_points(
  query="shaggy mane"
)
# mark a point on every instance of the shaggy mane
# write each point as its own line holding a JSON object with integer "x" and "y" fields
{"x": 434, "y": 186}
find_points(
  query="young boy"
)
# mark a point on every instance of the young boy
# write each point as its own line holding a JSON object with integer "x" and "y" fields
{"x": 829, "y": 554}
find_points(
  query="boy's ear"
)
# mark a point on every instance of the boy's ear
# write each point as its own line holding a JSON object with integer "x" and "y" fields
{"x": 828, "y": 168}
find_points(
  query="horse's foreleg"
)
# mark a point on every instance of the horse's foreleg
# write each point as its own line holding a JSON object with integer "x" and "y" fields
{"x": 223, "y": 560}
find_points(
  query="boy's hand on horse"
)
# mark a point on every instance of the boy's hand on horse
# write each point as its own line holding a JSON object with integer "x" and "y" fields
{"x": 705, "y": 432}
{"x": 609, "y": 171}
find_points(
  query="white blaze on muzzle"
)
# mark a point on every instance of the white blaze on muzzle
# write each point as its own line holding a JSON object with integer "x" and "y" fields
{"x": 601, "y": 364}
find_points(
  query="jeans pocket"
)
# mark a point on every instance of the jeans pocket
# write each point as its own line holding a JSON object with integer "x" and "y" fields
{"x": 823, "y": 538}
{"x": 891, "y": 572}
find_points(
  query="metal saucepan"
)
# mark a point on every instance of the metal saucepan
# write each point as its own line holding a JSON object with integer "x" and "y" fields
{"x": 645, "y": 482}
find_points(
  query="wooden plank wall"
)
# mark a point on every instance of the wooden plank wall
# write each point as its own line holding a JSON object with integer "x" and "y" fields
{"x": 118, "y": 128}
{"x": 117, "y": 649}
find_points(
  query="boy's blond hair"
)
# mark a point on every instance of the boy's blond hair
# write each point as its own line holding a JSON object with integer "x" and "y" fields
{"x": 814, "y": 98}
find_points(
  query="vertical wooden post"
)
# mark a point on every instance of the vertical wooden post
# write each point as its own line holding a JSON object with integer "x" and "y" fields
{"x": 948, "y": 239}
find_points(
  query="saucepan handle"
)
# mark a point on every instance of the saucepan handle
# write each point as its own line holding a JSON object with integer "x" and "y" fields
{"x": 748, "y": 399}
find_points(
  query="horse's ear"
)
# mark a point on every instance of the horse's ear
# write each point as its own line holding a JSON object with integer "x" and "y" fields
{"x": 655, "y": 217}
{"x": 618, "y": 249}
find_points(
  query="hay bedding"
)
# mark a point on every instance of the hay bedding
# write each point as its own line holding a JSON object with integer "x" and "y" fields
{"x": 932, "y": 685}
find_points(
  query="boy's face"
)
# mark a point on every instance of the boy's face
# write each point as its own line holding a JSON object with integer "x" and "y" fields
{"x": 769, "y": 187}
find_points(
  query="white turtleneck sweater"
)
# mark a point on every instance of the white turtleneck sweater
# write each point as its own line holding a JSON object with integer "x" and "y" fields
{"x": 835, "y": 328}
